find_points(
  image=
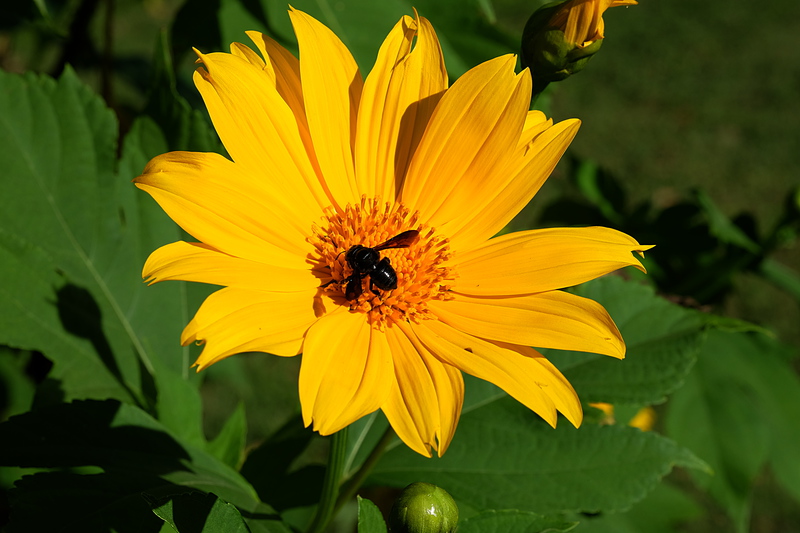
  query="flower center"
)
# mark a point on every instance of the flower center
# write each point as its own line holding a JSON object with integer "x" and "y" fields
{"x": 350, "y": 252}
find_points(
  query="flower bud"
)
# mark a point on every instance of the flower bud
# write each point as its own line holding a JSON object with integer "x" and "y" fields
{"x": 423, "y": 508}
{"x": 561, "y": 37}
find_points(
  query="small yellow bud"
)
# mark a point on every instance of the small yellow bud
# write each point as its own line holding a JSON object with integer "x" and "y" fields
{"x": 561, "y": 37}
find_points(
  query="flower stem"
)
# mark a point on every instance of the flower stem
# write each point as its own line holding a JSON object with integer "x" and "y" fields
{"x": 354, "y": 483}
{"x": 330, "y": 487}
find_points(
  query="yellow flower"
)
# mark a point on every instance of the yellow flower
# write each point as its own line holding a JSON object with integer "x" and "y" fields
{"x": 644, "y": 419}
{"x": 331, "y": 162}
{"x": 582, "y": 20}
{"x": 560, "y": 38}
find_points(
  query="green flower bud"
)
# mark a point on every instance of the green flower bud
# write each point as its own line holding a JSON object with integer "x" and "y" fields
{"x": 423, "y": 508}
{"x": 561, "y": 37}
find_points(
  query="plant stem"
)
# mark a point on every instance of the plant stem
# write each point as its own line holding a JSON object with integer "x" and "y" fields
{"x": 330, "y": 487}
{"x": 354, "y": 483}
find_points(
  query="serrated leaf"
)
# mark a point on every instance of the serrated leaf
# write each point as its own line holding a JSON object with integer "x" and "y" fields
{"x": 370, "y": 519}
{"x": 200, "y": 513}
{"x": 136, "y": 454}
{"x": 504, "y": 457}
{"x": 513, "y": 521}
{"x": 662, "y": 340}
{"x": 73, "y": 237}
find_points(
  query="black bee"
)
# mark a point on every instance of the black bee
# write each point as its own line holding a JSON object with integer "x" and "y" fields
{"x": 367, "y": 261}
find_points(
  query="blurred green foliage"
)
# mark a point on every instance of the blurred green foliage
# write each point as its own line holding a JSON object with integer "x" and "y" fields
{"x": 685, "y": 122}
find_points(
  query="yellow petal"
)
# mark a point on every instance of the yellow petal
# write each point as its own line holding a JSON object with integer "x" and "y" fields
{"x": 399, "y": 97}
{"x": 241, "y": 50}
{"x": 522, "y": 377}
{"x": 286, "y": 69}
{"x": 554, "y": 319}
{"x": 472, "y": 132}
{"x": 259, "y": 130}
{"x": 543, "y": 260}
{"x": 553, "y": 383}
{"x": 234, "y": 320}
{"x": 346, "y": 372}
{"x": 224, "y": 206}
{"x": 535, "y": 157}
{"x": 195, "y": 261}
{"x": 331, "y": 92}
{"x": 425, "y": 403}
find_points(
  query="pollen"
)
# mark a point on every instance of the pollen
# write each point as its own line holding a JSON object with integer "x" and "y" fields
{"x": 421, "y": 268}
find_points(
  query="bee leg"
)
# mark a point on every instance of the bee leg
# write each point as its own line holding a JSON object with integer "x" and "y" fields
{"x": 375, "y": 291}
{"x": 353, "y": 289}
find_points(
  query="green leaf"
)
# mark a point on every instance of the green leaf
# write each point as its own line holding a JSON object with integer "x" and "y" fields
{"x": 184, "y": 128}
{"x": 738, "y": 410}
{"x": 73, "y": 237}
{"x": 603, "y": 192}
{"x": 179, "y": 406}
{"x": 722, "y": 227}
{"x": 362, "y": 437}
{"x": 467, "y": 36}
{"x": 488, "y": 10}
{"x": 269, "y": 468}
{"x": 370, "y": 519}
{"x": 136, "y": 455}
{"x": 660, "y": 512}
{"x": 783, "y": 277}
{"x": 504, "y": 457}
{"x": 662, "y": 340}
{"x": 779, "y": 389}
{"x": 717, "y": 414}
{"x": 200, "y": 513}
{"x": 513, "y": 521}
{"x": 16, "y": 385}
{"x": 229, "y": 445}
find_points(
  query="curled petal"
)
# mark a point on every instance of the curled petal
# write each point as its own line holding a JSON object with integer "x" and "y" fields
{"x": 286, "y": 69}
{"x": 233, "y": 320}
{"x": 399, "y": 97}
{"x": 259, "y": 129}
{"x": 554, "y": 319}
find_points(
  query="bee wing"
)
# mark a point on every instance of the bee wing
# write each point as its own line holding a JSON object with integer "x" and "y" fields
{"x": 403, "y": 240}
